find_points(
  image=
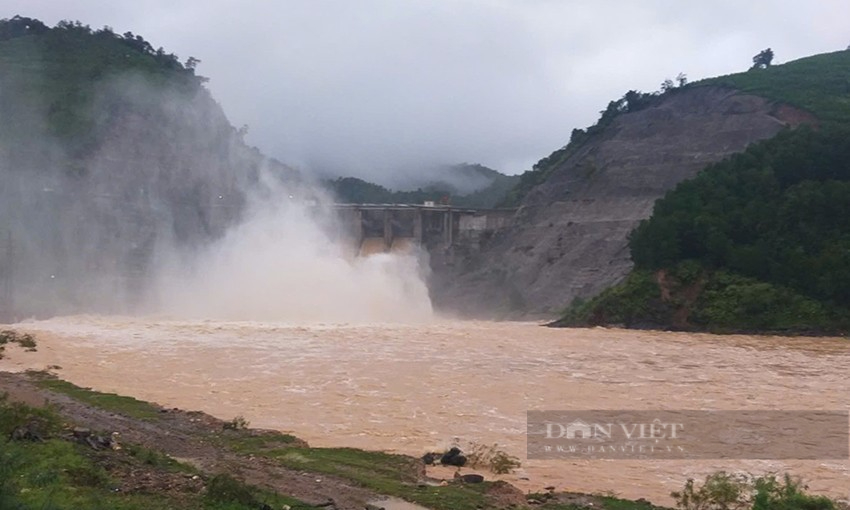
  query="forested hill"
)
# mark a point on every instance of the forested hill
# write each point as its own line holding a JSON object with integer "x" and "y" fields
{"x": 759, "y": 242}
{"x": 108, "y": 148}
{"x": 819, "y": 84}
{"x": 55, "y": 72}
{"x": 462, "y": 185}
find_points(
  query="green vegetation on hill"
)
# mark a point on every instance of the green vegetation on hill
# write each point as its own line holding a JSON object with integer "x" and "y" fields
{"x": 759, "y": 242}
{"x": 50, "y": 75}
{"x": 490, "y": 196}
{"x": 108, "y": 147}
{"x": 357, "y": 191}
{"x": 352, "y": 190}
{"x": 74, "y": 87}
{"x": 819, "y": 84}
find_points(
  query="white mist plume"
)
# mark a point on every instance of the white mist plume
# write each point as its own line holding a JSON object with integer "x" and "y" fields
{"x": 279, "y": 264}
{"x": 165, "y": 214}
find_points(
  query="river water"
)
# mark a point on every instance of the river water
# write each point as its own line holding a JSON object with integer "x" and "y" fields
{"x": 414, "y": 388}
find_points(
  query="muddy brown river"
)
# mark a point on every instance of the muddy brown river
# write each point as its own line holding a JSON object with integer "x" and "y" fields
{"x": 413, "y": 388}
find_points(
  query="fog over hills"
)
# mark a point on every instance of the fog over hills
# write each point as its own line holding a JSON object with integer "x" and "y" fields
{"x": 126, "y": 189}
{"x": 380, "y": 88}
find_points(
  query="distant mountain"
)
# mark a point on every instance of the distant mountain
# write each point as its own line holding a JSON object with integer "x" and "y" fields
{"x": 351, "y": 190}
{"x": 461, "y": 179}
{"x": 463, "y": 185}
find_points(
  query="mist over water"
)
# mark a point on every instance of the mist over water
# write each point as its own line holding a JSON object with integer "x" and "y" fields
{"x": 283, "y": 263}
{"x": 169, "y": 212}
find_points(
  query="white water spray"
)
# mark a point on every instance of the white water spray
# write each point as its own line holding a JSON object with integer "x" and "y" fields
{"x": 279, "y": 264}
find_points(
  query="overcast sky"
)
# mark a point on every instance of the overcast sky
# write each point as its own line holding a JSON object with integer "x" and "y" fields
{"x": 377, "y": 87}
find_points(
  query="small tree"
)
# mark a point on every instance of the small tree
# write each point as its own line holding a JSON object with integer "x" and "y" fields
{"x": 191, "y": 63}
{"x": 682, "y": 79}
{"x": 763, "y": 59}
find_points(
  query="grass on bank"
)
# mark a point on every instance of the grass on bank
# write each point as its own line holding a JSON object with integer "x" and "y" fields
{"x": 390, "y": 474}
{"x": 384, "y": 473}
{"x": 53, "y": 472}
{"x": 112, "y": 402}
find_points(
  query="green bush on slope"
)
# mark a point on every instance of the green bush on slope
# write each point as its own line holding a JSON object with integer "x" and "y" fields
{"x": 768, "y": 230}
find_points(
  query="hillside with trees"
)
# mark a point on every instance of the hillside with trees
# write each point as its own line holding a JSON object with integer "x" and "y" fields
{"x": 52, "y": 74}
{"x": 631, "y": 102}
{"x": 109, "y": 150}
{"x": 759, "y": 242}
{"x": 576, "y": 208}
{"x": 819, "y": 84}
{"x": 464, "y": 185}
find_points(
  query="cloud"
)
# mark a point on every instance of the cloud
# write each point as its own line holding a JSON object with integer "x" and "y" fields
{"x": 381, "y": 87}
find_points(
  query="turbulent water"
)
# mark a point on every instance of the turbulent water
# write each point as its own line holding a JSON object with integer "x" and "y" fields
{"x": 412, "y": 388}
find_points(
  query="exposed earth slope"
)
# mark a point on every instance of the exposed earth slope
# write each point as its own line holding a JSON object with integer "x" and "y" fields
{"x": 571, "y": 236}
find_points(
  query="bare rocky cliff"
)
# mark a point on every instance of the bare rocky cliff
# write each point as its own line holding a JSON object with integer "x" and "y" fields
{"x": 570, "y": 235}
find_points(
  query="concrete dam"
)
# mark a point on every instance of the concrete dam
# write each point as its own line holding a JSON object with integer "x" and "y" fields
{"x": 438, "y": 229}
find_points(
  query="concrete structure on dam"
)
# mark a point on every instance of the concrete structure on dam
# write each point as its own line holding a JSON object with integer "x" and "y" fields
{"x": 375, "y": 228}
